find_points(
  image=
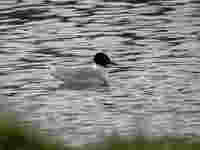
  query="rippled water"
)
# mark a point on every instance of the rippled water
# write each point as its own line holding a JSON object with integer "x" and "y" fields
{"x": 156, "y": 92}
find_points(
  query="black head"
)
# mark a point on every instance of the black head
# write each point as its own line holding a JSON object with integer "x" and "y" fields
{"x": 103, "y": 60}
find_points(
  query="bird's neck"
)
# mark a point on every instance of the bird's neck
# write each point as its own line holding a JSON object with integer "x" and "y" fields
{"x": 96, "y": 66}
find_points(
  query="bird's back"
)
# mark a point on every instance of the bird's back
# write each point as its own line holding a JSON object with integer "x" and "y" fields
{"x": 84, "y": 76}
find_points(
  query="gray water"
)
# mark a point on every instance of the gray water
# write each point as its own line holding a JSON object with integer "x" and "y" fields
{"x": 155, "y": 92}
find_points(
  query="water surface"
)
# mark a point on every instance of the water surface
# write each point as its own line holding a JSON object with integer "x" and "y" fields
{"x": 155, "y": 92}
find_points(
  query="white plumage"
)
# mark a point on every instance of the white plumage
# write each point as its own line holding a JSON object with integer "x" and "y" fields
{"x": 85, "y": 77}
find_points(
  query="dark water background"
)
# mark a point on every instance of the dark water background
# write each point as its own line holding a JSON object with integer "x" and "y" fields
{"x": 157, "y": 92}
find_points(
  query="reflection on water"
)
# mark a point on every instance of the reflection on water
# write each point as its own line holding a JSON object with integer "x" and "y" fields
{"x": 155, "y": 91}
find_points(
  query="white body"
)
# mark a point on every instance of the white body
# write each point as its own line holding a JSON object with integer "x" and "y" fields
{"x": 83, "y": 77}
